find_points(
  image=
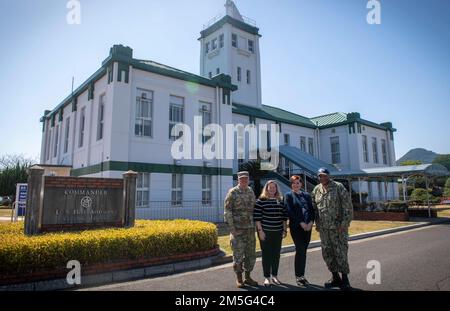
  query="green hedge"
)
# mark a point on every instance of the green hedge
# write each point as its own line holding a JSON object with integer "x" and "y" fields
{"x": 419, "y": 196}
{"x": 148, "y": 239}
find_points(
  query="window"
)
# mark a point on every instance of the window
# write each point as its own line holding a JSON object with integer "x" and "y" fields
{"x": 143, "y": 126}
{"x": 205, "y": 113}
{"x": 365, "y": 149}
{"x": 101, "y": 117}
{"x": 210, "y": 74}
{"x": 47, "y": 148}
{"x": 177, "y": 189}
{"x": 248, "y": 77}
{"x": 214, "y": 44}
{"x": 234, "y": 40}
{"x": 380, "y": 191}
{"x": 384, "y": 151}
{"x": 221, "y": 41}
{"x": 239, "y": 73}
{"x": 55, "y": 146}
{"x": 335, "y": 150}
{"x": 66, "y": 135}
{"x": 207, "y": 48}
{"x": 251, "y": 46}
{"x": 206, "y": 189}
{"x": 82, "y": 125}
{"x": 286, "y": 140}
{"x": 375, "y": 150}
{"x": 217, "y": 71}
{"x": 143, "y": 190}
{"x": 303, "y": 143}
{"x": 311, "y": 146}
{"x": 176, "y": 114}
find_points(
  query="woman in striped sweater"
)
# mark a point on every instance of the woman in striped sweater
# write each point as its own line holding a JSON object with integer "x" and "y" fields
{"x": 270, "y": 216}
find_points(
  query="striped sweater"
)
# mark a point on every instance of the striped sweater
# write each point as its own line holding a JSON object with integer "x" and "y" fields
{"x": 271, "y": 214}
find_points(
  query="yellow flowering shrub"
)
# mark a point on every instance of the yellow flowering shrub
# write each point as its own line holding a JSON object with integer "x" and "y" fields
{"x": 148, "y": 239}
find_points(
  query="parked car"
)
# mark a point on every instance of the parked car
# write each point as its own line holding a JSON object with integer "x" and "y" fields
{"x": 6, "y": 200}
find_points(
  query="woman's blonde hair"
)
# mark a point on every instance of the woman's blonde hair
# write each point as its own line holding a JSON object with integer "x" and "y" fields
{"x": 265, "y": 193}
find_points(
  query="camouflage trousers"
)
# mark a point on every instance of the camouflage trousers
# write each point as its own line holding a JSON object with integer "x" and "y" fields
{"x": 335, "y": 249}
{"x": 243, "y": 245}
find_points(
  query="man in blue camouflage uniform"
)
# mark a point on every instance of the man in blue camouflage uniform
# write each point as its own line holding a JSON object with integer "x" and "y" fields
{"x": 238, "y": 213}
{"x": 334, "y": 212}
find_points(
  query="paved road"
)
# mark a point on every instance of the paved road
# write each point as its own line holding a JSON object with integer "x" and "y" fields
{"x": 414, "y": 260}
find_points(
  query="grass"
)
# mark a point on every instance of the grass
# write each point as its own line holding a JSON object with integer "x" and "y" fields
{"x": 355, "y": 228}
{"x": 5, "y": 212}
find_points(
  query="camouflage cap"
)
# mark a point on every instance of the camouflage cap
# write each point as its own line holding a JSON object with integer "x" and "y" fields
{"x": 242, "y": 174}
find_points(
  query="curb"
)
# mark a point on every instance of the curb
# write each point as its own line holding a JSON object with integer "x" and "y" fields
{"x": 360, "y": 236}
{"x": 115, "y": 276}
{"x": 178, "y": 267}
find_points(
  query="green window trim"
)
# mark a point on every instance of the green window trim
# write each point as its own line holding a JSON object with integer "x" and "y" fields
{"x": 151, "y": 168}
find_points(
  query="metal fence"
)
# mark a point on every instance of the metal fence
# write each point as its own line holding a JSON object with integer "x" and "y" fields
{"x": 211, "y": 211}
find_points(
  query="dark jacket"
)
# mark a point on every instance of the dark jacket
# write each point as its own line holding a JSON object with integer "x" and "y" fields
{"x": 300, "y": 208}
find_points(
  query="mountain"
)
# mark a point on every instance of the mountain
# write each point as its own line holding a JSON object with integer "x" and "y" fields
{"x": 426, "y": 156}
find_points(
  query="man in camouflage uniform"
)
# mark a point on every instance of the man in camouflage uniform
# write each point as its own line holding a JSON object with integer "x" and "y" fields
{"x": 238, "y": 213}
{"x": 334, "y": 212}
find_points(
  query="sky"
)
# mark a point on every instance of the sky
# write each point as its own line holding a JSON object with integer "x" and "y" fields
{"x": 317, "y": 57}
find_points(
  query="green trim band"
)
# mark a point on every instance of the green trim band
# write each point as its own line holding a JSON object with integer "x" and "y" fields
{"x": 234, "y": 22}
{"x": 150, "y": 168}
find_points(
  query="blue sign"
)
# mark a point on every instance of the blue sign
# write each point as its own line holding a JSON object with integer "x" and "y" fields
{"x": 22, "y": 190}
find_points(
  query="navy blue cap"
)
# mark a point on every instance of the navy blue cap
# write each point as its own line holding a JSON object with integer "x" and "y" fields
{"x": 322, "y": 171}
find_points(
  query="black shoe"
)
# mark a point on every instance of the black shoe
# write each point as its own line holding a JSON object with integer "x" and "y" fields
{"x": 301, "y": 281}
{"x": 345, "y": 283}
{"x": 335, "y": 281}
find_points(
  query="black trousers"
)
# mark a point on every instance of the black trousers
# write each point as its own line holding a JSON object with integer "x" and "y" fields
{"x": 301, "y": 240}
{"x": 271, "y": 248}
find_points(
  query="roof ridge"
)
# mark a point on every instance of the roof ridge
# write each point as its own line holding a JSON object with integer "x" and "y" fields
{"x": 287, "y": 111}
{"x": 171, "y": 67}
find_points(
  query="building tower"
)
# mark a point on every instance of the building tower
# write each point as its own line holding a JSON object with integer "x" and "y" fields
{"x": 230, "y": 45}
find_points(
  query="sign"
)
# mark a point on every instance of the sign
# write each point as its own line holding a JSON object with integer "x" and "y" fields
{"x": 21, "y": 200}
{"x": 82, "y": 203}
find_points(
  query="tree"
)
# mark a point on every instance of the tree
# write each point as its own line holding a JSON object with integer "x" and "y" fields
{"x": 13, "y": 170}
{"x": 447, "y": 188}
{"x": 443, "y": 159}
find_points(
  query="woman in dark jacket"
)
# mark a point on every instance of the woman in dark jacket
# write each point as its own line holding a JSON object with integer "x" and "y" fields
{"x": 301, "y": 219}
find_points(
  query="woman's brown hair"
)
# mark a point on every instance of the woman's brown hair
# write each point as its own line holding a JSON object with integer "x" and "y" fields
{"x": 295, "y": 178}
{"x": 265, "y": 193}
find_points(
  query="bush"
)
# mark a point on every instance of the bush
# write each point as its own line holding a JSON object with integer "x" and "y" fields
{"x": 419, "y": 196}
{"x": 148, "y": 239}
{"x": 395, "y": 206}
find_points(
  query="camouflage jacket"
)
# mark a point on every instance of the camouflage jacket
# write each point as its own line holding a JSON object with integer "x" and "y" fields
{"x": 333, "y": 208}
{"x": 238, "y": 208}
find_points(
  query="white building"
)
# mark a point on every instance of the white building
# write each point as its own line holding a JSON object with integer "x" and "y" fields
{"x": 120, "y": 118}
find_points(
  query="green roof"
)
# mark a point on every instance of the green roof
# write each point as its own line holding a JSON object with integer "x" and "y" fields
{"x": 340, "y": 118}
{"x": 273, "y": 114}
{"x": 328, "y": 119}
{"x": 123, "y": 55}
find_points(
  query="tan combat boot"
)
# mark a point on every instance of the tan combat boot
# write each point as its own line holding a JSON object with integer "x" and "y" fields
{"x": 248, "y": 280}
{"x": 239, "y": 281}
